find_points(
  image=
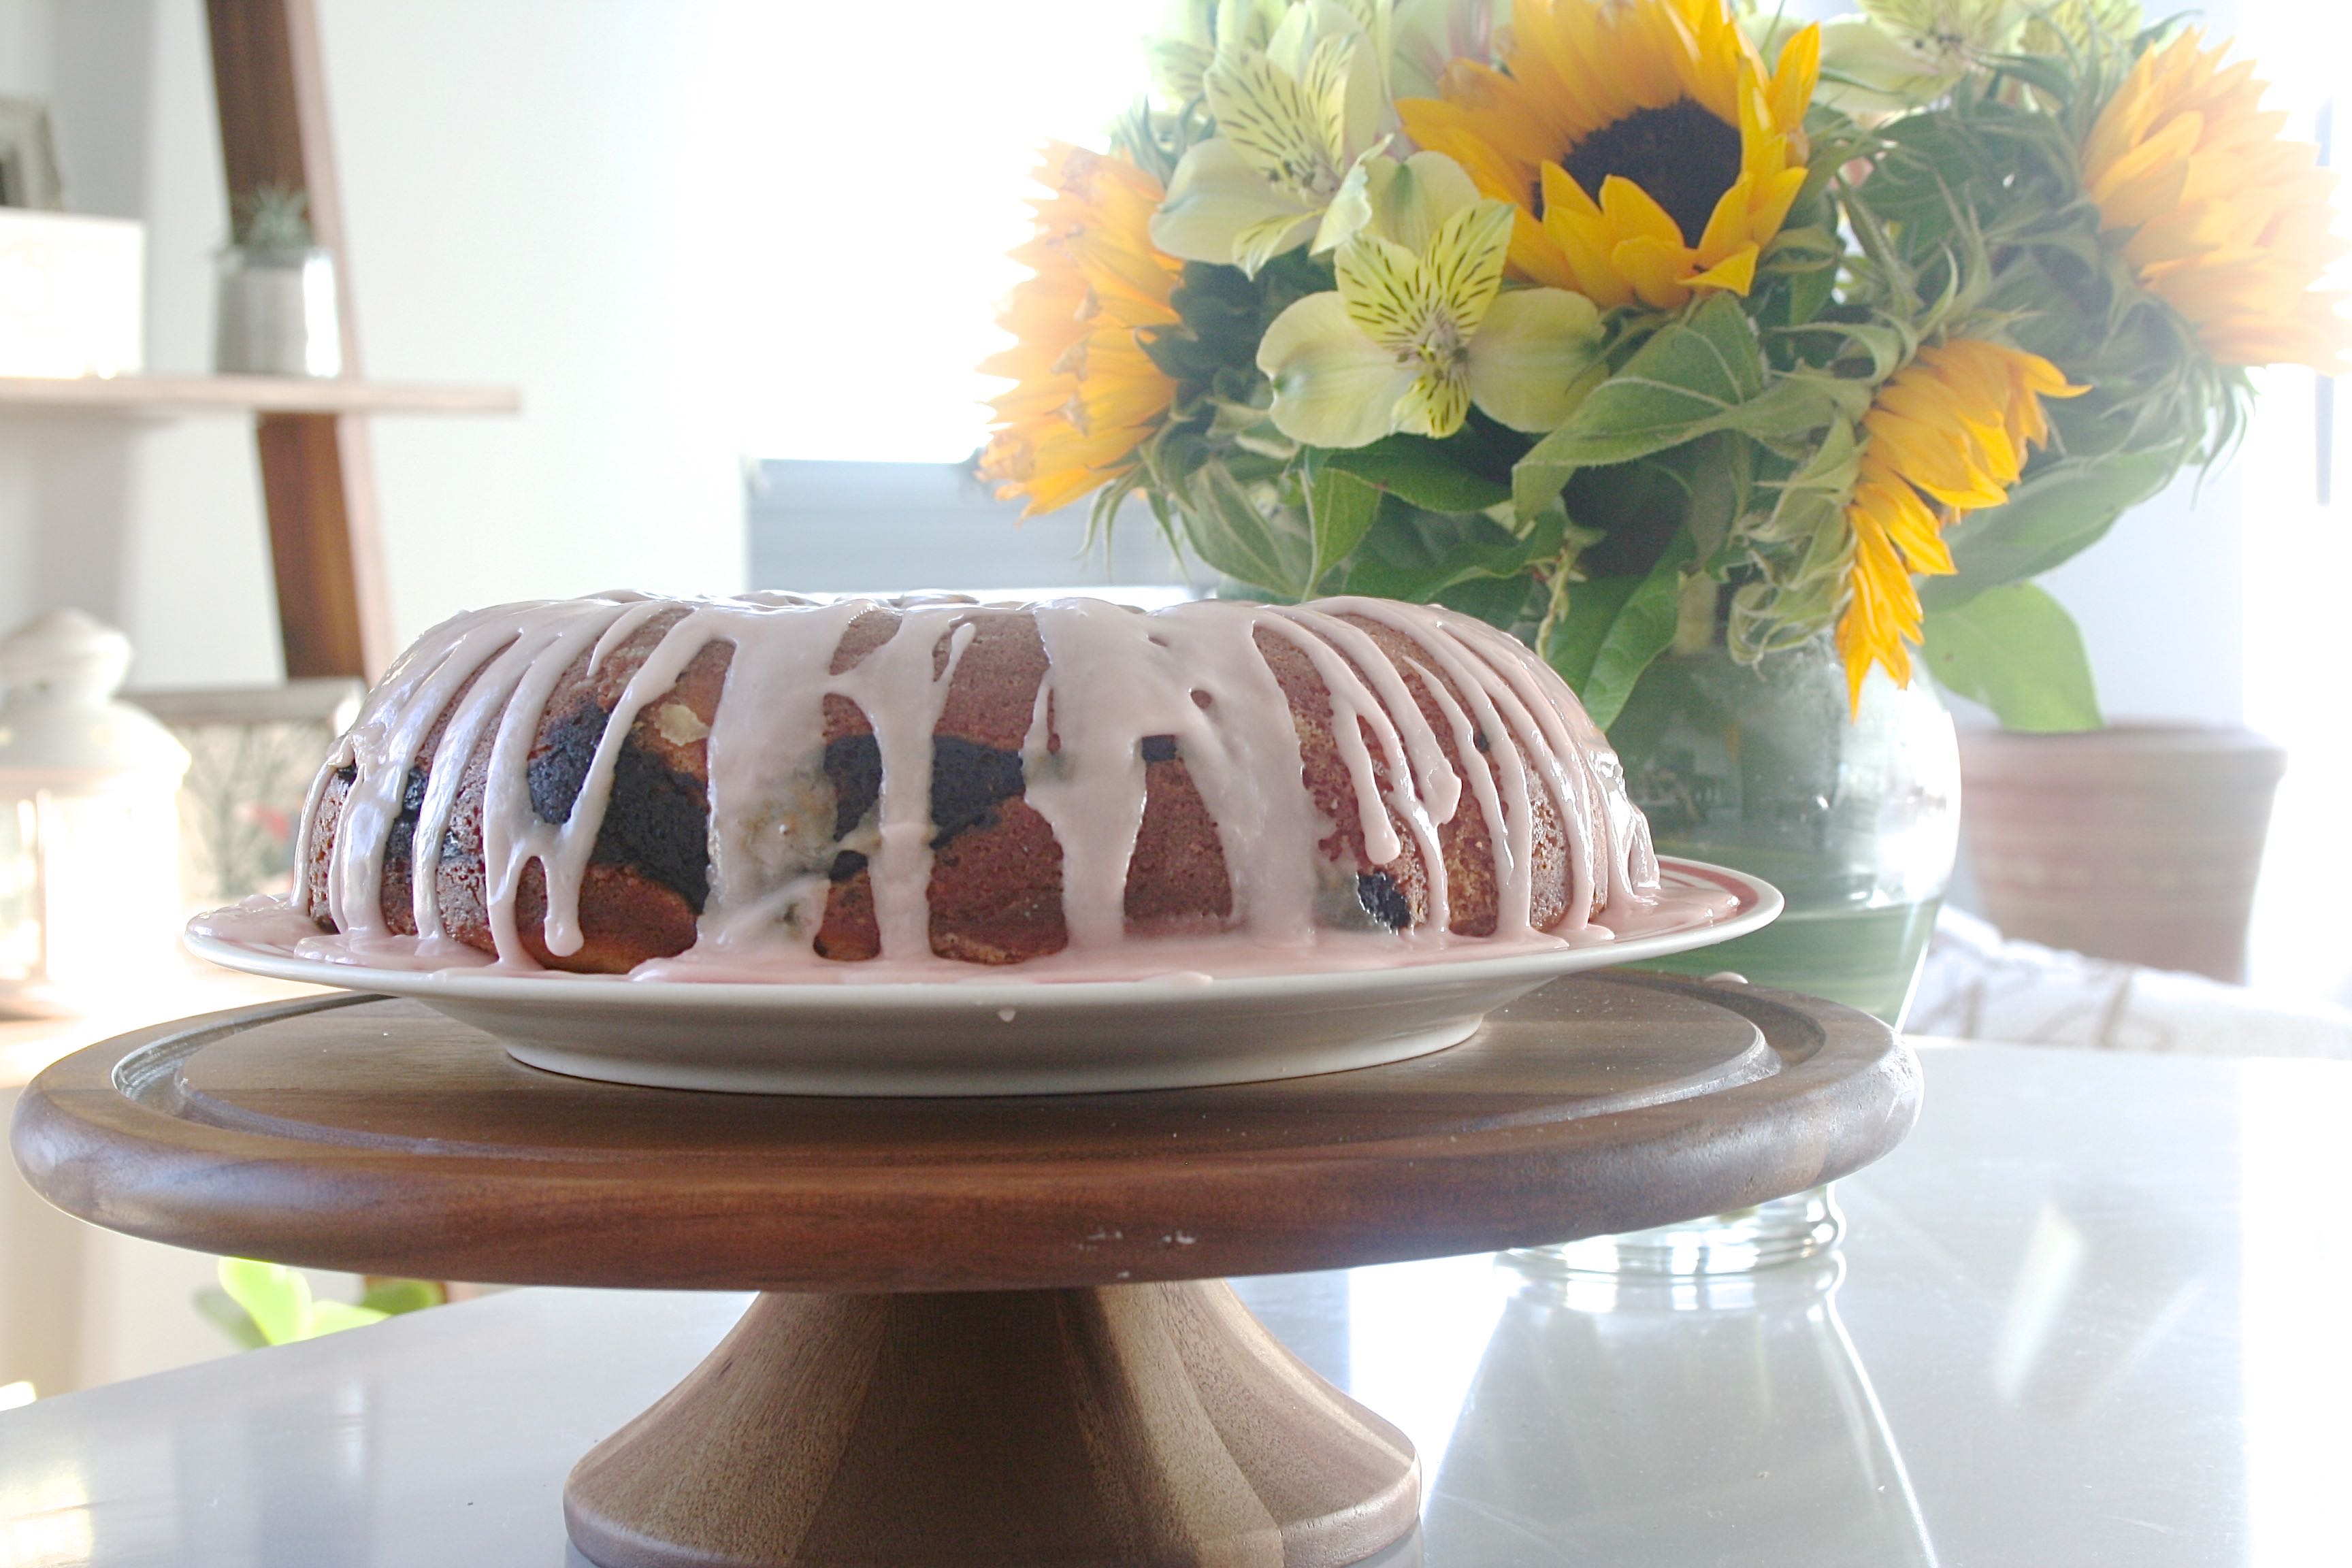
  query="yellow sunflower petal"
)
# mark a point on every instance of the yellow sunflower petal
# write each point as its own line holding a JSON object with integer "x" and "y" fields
{"x": 1085, "y": 394}
{"x": 1952, "y": 424}
{"x": 2217, "y": 217}
{"x": 1580, "y": 237}
{"x": 1771, "y": 204}
{"x": 1794, "y": 77}
{"x": 1658, "y": 270}
{"x": 1574, "y": 68}
{"x": 1548, "y": 255}
{"x": 1735, "y": 273}
{"x": 1633, "y": 213}
{"x": 1727, "y": 228}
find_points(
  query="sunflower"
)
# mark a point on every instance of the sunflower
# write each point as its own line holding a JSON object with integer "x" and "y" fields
{"x": 1648, "y": 150}
{"x": 2220, "y": 218}
{"x": 1086, "y": 393}
{"x": 1947, "y": 433}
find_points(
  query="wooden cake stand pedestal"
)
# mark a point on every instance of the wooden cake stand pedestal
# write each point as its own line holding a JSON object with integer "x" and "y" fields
{"x": 994, "y": 1331}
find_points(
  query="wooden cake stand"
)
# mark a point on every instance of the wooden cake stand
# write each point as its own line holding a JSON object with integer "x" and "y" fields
{"x": 994, "y": 1331}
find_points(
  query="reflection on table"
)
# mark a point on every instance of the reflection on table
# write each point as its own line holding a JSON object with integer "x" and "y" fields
{"x": 1729, "y": 1397}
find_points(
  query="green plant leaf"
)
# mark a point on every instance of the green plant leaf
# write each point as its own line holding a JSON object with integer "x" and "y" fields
{"x": 1228, "y": 531}
{"x": 1592, "y": 609}
{"x": 2048, "y": 519}
{"x": 394, "y": 1297}
{"x": 217, "y": 1306}
{"x": 274, "y": 1296}
{"x": 1422, "y": 473}
{"x": 1514, "y": 604}
{"x": 1418, "y": 555}
{"x": 1615, "y": 626}
{"x": 1686, "y": 380}
{"x": 333, "y": 1316}
{"x": 2016, "y": 650}
{"x": 1340, "y": 507}
{"x": 276, "y": 1299}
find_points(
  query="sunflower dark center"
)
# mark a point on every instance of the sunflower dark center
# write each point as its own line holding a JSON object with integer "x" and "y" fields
{"x": 1683, "y": 156}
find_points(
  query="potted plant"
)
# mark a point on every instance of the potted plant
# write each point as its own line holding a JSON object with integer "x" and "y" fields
{"x": 1737, "y": 366}
{"x": 277, "y": 312}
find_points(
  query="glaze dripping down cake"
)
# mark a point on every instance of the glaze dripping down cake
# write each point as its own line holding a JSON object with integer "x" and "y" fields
{"x": 589, "y": 784}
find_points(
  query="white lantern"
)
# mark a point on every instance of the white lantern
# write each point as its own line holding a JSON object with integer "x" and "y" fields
{"x": 90, "y": 824}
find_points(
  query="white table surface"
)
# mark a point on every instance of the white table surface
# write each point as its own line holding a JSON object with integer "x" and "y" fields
{"x": 2094, "y": 1312}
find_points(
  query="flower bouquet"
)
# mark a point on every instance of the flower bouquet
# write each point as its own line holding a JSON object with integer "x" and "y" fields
{"x": 1631, "y": 325}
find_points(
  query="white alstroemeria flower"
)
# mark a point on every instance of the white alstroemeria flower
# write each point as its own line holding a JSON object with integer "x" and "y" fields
{"x": 1417, "y": 333}
{"x": 1902, "y": 55}
{"x": 1197, "y": 31}
{"x": 1427, "y": 35}
{"x": 1407, "y": 202}
{"x": 1296, "y": 123}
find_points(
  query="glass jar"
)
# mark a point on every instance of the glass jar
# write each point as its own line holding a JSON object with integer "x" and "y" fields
{"x": 1852, "y": 814}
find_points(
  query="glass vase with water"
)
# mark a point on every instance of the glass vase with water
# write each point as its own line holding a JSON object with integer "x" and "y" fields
{"x": 1852, "y": 811}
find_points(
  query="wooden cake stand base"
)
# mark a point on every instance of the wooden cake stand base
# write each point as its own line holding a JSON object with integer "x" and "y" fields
{"x": 985, "y": 1338}
{"x": 1122, "y": 1424}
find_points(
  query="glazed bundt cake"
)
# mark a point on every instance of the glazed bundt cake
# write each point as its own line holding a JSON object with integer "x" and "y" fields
{"x": 588, "y": 784}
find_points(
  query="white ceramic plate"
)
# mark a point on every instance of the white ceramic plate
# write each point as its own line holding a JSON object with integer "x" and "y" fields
{"x": 989, "y": 1036}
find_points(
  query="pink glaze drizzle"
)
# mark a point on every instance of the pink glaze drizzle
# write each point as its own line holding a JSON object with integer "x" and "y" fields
{"x": 1115, "y": 676}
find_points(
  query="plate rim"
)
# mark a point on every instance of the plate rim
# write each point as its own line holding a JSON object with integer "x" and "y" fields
{"x": 1763, "y": 903}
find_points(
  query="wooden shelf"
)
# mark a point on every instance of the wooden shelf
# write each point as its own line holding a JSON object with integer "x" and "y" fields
{"x": 252, "y": 394}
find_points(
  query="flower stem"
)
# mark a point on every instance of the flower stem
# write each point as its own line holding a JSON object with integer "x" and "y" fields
{"x": 1694, "y": 614}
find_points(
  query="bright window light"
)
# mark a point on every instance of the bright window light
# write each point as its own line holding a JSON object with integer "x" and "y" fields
{"x": 861, "y": 172}
{"x": 2296, "y": 552}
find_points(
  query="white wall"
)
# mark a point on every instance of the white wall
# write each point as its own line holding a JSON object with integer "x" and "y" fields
{"x": 154, "y": 525}
{"x": 505, "y": 169}
{"x": 508, "y": 169}
{"x": 2298, "y": 558}
{"x": 2159, "y": 603}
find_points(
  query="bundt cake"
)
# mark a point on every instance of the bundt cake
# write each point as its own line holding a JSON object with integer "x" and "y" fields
{"x": 592, "y": 783}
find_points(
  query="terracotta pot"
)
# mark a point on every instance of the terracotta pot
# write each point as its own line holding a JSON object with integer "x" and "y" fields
{"x": 2138, "y": 842}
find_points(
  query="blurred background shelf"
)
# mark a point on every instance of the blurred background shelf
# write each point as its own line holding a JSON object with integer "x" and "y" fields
{"x": 254, "y": 394}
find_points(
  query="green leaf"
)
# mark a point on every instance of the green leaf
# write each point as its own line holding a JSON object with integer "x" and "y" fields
{"x": 217, "y": 1306}
{"x": 1686, "y": 380}
{"x": 1418, "y": 555}
{"x": 1795, "y": 405}
{"x": 333, "y": 1316}
{"x": 1228, "y": 531}
{"x": 1638, "y": 508}
{"x": 394, "y": 1297}
{"x": 1615, "y": 626}
{"x": 1592, "y": 609}
{"x": 1513, "y": 604}
{"x": 2065, "y": 509}
{"x": 277, "y": 1298}
{"x": 1340, "y": 507}
{"x": 1810, "y": 291}
{"x": 1422, "y": 473}
{"x": 2016, "y": 650}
